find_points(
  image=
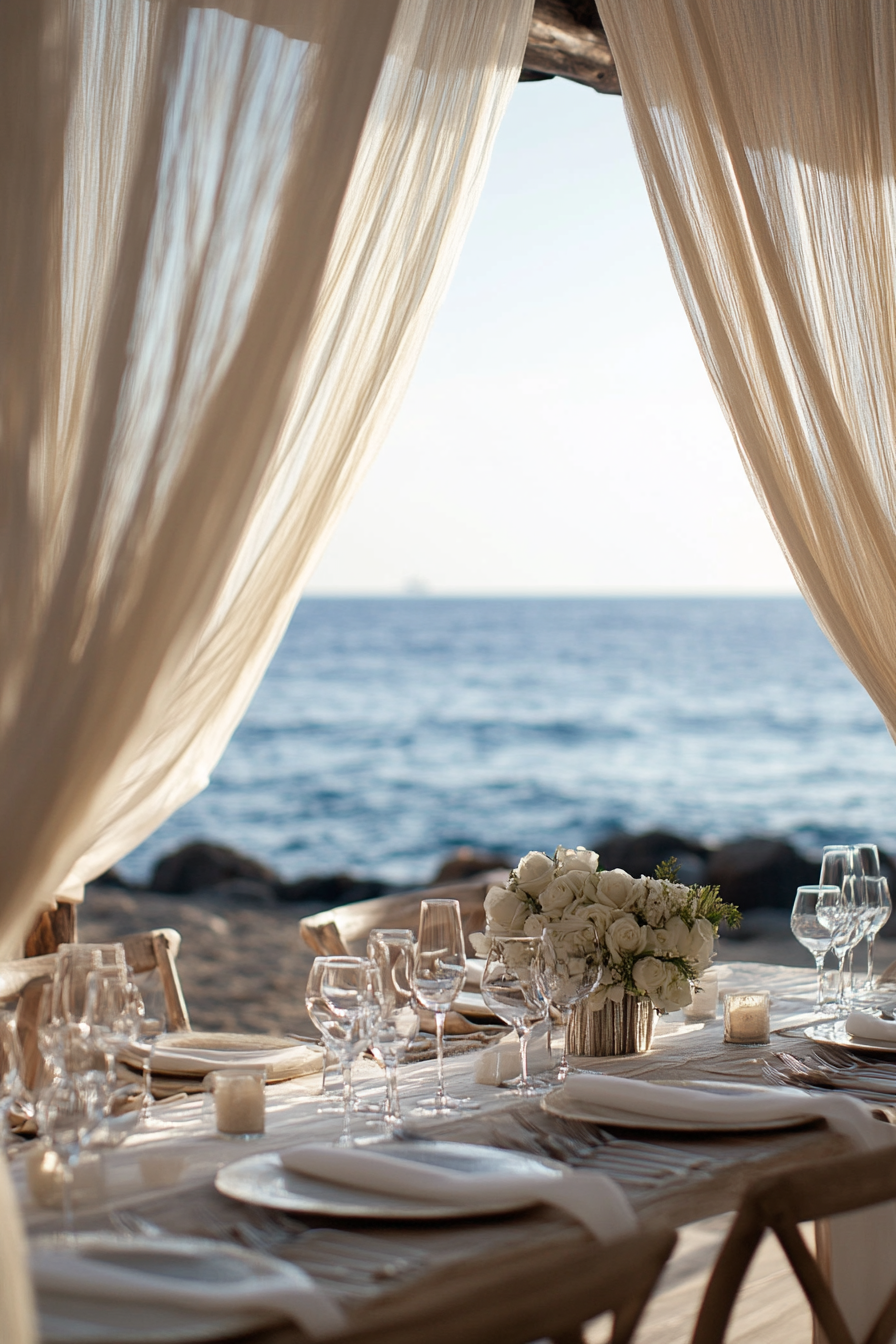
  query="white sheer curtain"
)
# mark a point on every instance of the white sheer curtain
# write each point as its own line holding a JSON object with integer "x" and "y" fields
{"x": 224, "y": 232}
{"x": 766, "y": 131}
{"x": 234, "y": 236}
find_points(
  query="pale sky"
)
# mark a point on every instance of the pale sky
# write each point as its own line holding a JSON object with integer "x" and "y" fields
{"x": 560, "y": 434}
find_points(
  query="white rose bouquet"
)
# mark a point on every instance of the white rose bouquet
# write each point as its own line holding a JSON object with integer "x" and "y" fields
{"x": 652, "y": 935}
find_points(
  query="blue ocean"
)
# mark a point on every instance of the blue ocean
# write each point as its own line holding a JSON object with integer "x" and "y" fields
{"x": 387, "y": 732}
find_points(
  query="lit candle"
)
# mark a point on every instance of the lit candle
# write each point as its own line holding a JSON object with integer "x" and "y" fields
{"x": 46, "y": 1176}
{"x": 705, "y": 998}
{"x": 239, "y": 1100}
{"x": 747, "y": 1018}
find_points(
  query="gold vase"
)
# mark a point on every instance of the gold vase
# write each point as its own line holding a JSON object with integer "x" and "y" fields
{"x": 624, "y": 1028}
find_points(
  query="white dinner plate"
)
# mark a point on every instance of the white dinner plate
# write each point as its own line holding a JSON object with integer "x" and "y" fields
{"x": 835, "y": 1033}
{"x": 600, "y": 1114}
{"x": 193, "y": 1054}
{"x": 67, "y": 1318}
{"x": 263, "y": 1179}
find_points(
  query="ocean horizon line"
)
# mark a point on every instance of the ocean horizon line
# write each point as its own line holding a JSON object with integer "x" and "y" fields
{"x": 431, "y": 596}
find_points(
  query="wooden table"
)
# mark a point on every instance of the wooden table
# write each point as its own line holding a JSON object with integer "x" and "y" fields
{"x": 675, "y": 1179}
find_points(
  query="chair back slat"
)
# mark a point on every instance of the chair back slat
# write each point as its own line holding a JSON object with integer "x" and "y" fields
{"x": 811, "y": 1193}
{"x": 353, "y": 922}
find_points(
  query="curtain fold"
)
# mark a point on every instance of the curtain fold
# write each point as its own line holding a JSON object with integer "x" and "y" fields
{"x": 237, "y": 223}
{"x": 766, "y": 132}
{"x": 224, "y": 232}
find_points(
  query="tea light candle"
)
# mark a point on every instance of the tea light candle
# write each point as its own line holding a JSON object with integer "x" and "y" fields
{"x": 705, "y": 1000}
{"x": 46, "y": 1177}
{"x": 239, "y": 1100}
{"x": 747, "y": 1018}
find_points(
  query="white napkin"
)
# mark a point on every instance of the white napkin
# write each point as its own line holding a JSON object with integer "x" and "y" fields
{"x": 473, "y": 976}
{"x": 862, "y": 1270}
{"x": 286, "y": 1291}
{"x": 501, "y": 1061}
{"x": 872, "y": 1027}
{"x": 593, "y": 1199}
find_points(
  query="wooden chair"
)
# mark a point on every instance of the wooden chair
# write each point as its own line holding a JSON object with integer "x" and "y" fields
{"x": 24, "y": 980}
{"x": 514, "y": 1297}
{"x": 780, "y": 1203}
{"x": 334, "y": 933}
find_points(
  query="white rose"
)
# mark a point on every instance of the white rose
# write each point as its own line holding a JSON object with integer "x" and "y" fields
{"x": 535, "y": 926}
{"x": 599, "y": 916}
{"x": 504, "y": 911}
{"x": 578, "y": 860}
{"x": 534, "y": 871}
{"x": 616, "y": 993}
{"x": 562, "y": 892}
{"x": 700, "y": 944}
{"x": 649, "y": 974}
{"x": 674, "y": 993}
{"x": 614, "y": 888}
{"x": 674, "y": 937}
{"x": 625, "y": 935}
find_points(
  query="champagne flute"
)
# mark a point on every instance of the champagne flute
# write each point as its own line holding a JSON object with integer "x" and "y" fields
{"x": 439, "y": 971}
{"x": 569, "y": 979}
{"x": 838, "y": 869}
{"x": 513, "y": 987}
{"x": 815, "y": 913}
{"x": 878, "y": 908}
{"x": 391, "y": 952}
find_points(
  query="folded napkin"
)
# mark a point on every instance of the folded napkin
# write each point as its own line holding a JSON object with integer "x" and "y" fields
{"x": 285, "y": 1291}
{"x": 872, "y": 1028}
{"x": 501, "y": 1062}
{"x": 172, "y": 1057}
{"x": 594, "y": 1200}
{"x": 473, "y": 977}
{"x": 862, "y": 1270}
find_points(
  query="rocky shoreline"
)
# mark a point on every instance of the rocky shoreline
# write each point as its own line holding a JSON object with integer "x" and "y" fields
{"x": 754, "y": 872}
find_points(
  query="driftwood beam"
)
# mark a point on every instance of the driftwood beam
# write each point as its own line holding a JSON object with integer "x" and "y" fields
{"x": 567, "y": 39}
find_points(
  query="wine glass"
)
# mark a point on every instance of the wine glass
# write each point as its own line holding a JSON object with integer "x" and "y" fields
{"x": 74, "y": 963}
{"x": 391, "y": 953}
{"x": 439, "y": 971}
{"x": 878, "y": 908}
{"x": 815, "y": 913}
{"x": 321, "y": 1015}
{"x": 568, "y": 979}
{"x": 347, "y": 990}
{"x": 513, "y": 987}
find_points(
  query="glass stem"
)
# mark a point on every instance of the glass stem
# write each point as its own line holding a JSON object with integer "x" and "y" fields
{"x": 146, "y": 1105}
{"x": 68, "y": 1183}
{"x": 523, "y": 1033}
{"x": 440, "y": 1030}
{"x": 819, "y": 966}
{"x": 869, "y": 983}
{"x": 565, "y": 1015}
{"x": 345, "y": 1138}
{"x": 393, "y": 1106}
{"x": 841, "y": 981}
{"x": 549, "y": 1021}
